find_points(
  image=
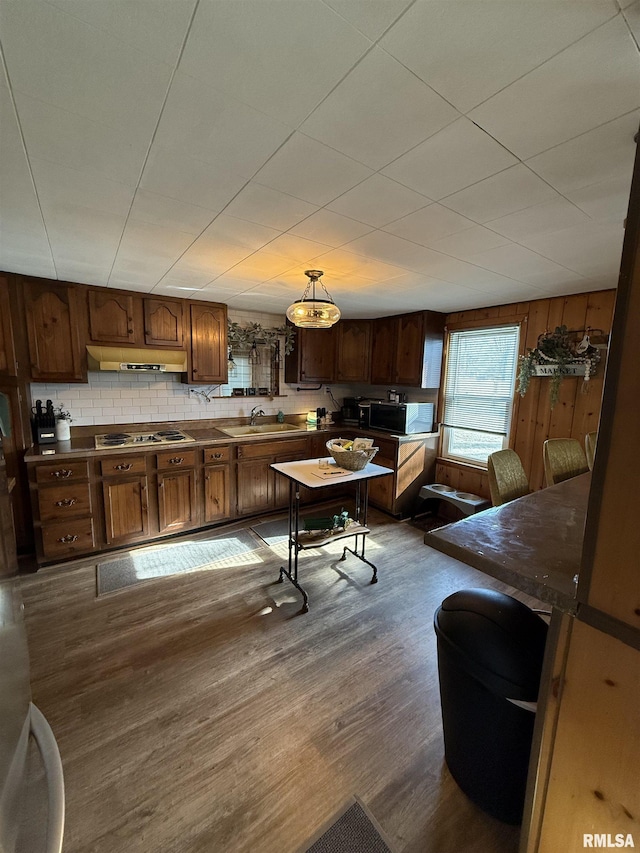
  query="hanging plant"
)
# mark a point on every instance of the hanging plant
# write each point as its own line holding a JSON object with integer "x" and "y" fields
{"x": 254, "y": 335}
{"x": 558, "y": 354}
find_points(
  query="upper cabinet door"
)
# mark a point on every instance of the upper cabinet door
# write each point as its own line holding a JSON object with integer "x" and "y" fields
{"x": 354, "y": 347}
{"x": 53, "y": 323}
{"x": 163, "y": 323}
{"x": 383, "y": 349}
{"x": 409, "y": 349}
{"x": 208, "y": 353}
{"x": 8, "y": 365}
{"x": 112, "y": 317}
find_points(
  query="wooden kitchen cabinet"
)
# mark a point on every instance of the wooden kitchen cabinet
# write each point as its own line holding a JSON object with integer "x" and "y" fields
{"x": 313, "y": 358}
{"x": 8, "y": 364}
{"x": 53, "y": 315}
{"x": 258, "y": 487}
{"x": 177, "y": 501}
{"x": 407, "y": 349}
{"x": 217, "y": 481}
{"x": 112, "y": 317}
{"x": 207, "y": 360}
{"x": 354, "y": 351}
{"x": 163, "y": 323}
{"x": 125, "y": 495}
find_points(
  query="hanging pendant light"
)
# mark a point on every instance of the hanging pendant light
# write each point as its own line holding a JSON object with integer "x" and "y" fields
{"x": 311, "y": 312}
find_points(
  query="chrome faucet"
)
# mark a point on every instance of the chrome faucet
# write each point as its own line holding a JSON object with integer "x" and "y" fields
{"x": 254, "y": 415}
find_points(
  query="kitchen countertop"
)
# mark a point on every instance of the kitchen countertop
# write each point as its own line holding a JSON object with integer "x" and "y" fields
{"x": 533, "y": 543}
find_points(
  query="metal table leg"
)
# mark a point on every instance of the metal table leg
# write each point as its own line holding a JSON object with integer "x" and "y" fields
{"x": 291, "y": 572}
{"x": 361, "y": 513}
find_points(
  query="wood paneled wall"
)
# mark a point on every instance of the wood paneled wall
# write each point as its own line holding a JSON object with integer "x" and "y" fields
{"x": 577, "y": 411}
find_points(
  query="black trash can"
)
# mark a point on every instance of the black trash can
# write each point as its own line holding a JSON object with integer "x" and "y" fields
{"x": 490, "y": 651}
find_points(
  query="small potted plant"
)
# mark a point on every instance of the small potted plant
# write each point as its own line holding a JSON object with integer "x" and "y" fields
{"x": 63, "y": 424}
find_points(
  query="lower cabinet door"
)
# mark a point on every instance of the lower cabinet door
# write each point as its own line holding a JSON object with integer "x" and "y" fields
{"x": 126, "y": 509}
{"x": 255, "y": 486}
{"x": 381, "y": 489}
{"x": 216, "y": 493}
{"x": 177, "y": 505}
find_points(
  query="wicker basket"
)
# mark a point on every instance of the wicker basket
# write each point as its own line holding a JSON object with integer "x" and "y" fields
{"x": 352, "y": 460}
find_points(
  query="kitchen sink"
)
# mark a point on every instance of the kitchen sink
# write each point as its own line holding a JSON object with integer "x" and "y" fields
{"x": 260, "y": 429}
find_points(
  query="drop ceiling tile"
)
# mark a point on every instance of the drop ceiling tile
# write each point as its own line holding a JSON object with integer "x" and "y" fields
{"x": 72, "y": 140}
{"x": 298, "y": 249}
{"x": 429, "y": 225}
{"x": 508, "y": 191}
{"x": 591, "y": 249}
{"x": 593, "y": 81}
{"x": 466, "y": 243}
{"x": 370, "y": 17}
{"x": 632, "y": 17}
{"x": 520, "y": 263}
{"x": 83, "y": 271}
{"x": 379, "y": 111}
{"x": 233, "y": 231}
{"x": 598, "y": 155}
{"x": 538, "y": 219}
{"x": 265, "y": 206}
{"x": 452, "y": 159}
{"x": 330, "y": 228}
{"x": 468, "y": 51}
{"x": 89, "y": 72}
{"x": 261, "y": 266}
{"x": 60, "y": 187}
{"x": 604, "y": 201}
{"x": 202, "y": 122}
{"x": 169, "y": 212}
{"x": 142, "y": 240}
{"x": 233, "y": 46}
{"x": 339, "y": 264}
{"x": 187, "y": 179}
{"x": 156, "y": 29}
{"x": 311, "y": 171}
{"x": 378, "y": 201}
{"x": 392, "y": 250}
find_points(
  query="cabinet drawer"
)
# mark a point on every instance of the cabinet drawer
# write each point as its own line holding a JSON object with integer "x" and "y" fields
{"x": 59, "y": 502}
{"x": 273, "y": 448}
{"x": 62, "y": 472}
{"x": 177, "y": 459}
{"x": 123, "y": 465}
{"x": 217, "y": 454}
{"x": 67, "y": 538}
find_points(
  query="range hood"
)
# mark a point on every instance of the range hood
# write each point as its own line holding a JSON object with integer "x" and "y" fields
{"x": 124, "y": 359}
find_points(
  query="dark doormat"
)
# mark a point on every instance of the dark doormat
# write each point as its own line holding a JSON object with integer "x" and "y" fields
{"x": 426, "y": 523}
{"x": 352, "y": 830}
{"x": 272, "y": 532}
{"x": 228, "y": 549}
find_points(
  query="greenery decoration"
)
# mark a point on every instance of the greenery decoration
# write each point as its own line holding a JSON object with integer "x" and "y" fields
{"x": 245, "y": 337}
{"x": 559, "y": 349}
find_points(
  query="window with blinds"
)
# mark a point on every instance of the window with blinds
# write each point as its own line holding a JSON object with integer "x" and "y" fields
{"x": 478, "y": 392}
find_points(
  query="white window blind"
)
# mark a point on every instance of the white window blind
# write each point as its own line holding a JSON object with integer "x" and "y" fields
{"x": 479, "y": 385}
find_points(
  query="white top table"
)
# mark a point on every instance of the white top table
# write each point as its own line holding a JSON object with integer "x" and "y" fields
{"x": 308, "y": 472}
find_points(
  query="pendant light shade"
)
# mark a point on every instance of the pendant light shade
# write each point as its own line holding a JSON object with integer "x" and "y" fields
{"x": 313, "y": 312}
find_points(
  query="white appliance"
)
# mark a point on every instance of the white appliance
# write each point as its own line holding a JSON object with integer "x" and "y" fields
{"x": 31, "y": 780}
{"x": 141, "y": 439}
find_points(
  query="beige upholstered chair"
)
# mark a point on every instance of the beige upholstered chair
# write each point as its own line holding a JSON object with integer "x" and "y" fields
{"x": 563, "y": 458}
{"x": 590, "y": 440}
{"x": 507, "y": 478}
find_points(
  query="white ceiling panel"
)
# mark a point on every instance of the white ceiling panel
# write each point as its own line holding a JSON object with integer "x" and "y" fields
{"x": 468, "y": 51}
{"x": 598, "y": 155}
{"x": 378, "y": 201}
{"x": 454, "y": 158}
{"x": 219, "y": 149}
{"x": 601, "y": 81}
{"x": 311, "y": 171}
{"x": 378, "y": 112}
{"x": 280, "y": 57}
{"x": 330, "y": 228}
{"x": 429, "y": 225}
{"x": 508, "y": 191}
{"x": 260, "y": 204}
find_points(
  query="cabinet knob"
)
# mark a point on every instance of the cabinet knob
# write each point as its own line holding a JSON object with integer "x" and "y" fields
{"x": 68, "y": 538}
{"x": 124, "y": 466}
{"x": 194, "y": 370}
{"x": 177, "y": 460}
{"x": 66, "y": 502}
{"x": 62, "y": 473}
{"x": 217, "y": 455}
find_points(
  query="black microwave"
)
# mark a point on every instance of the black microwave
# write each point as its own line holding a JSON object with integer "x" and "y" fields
{"x": 403, "y": 419}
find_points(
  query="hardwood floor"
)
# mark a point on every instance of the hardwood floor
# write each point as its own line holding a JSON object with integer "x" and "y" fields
{"x": 200, "y": 713}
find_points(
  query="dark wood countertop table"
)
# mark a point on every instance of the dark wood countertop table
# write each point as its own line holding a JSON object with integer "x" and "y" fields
{"x": 533, "y": 543}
